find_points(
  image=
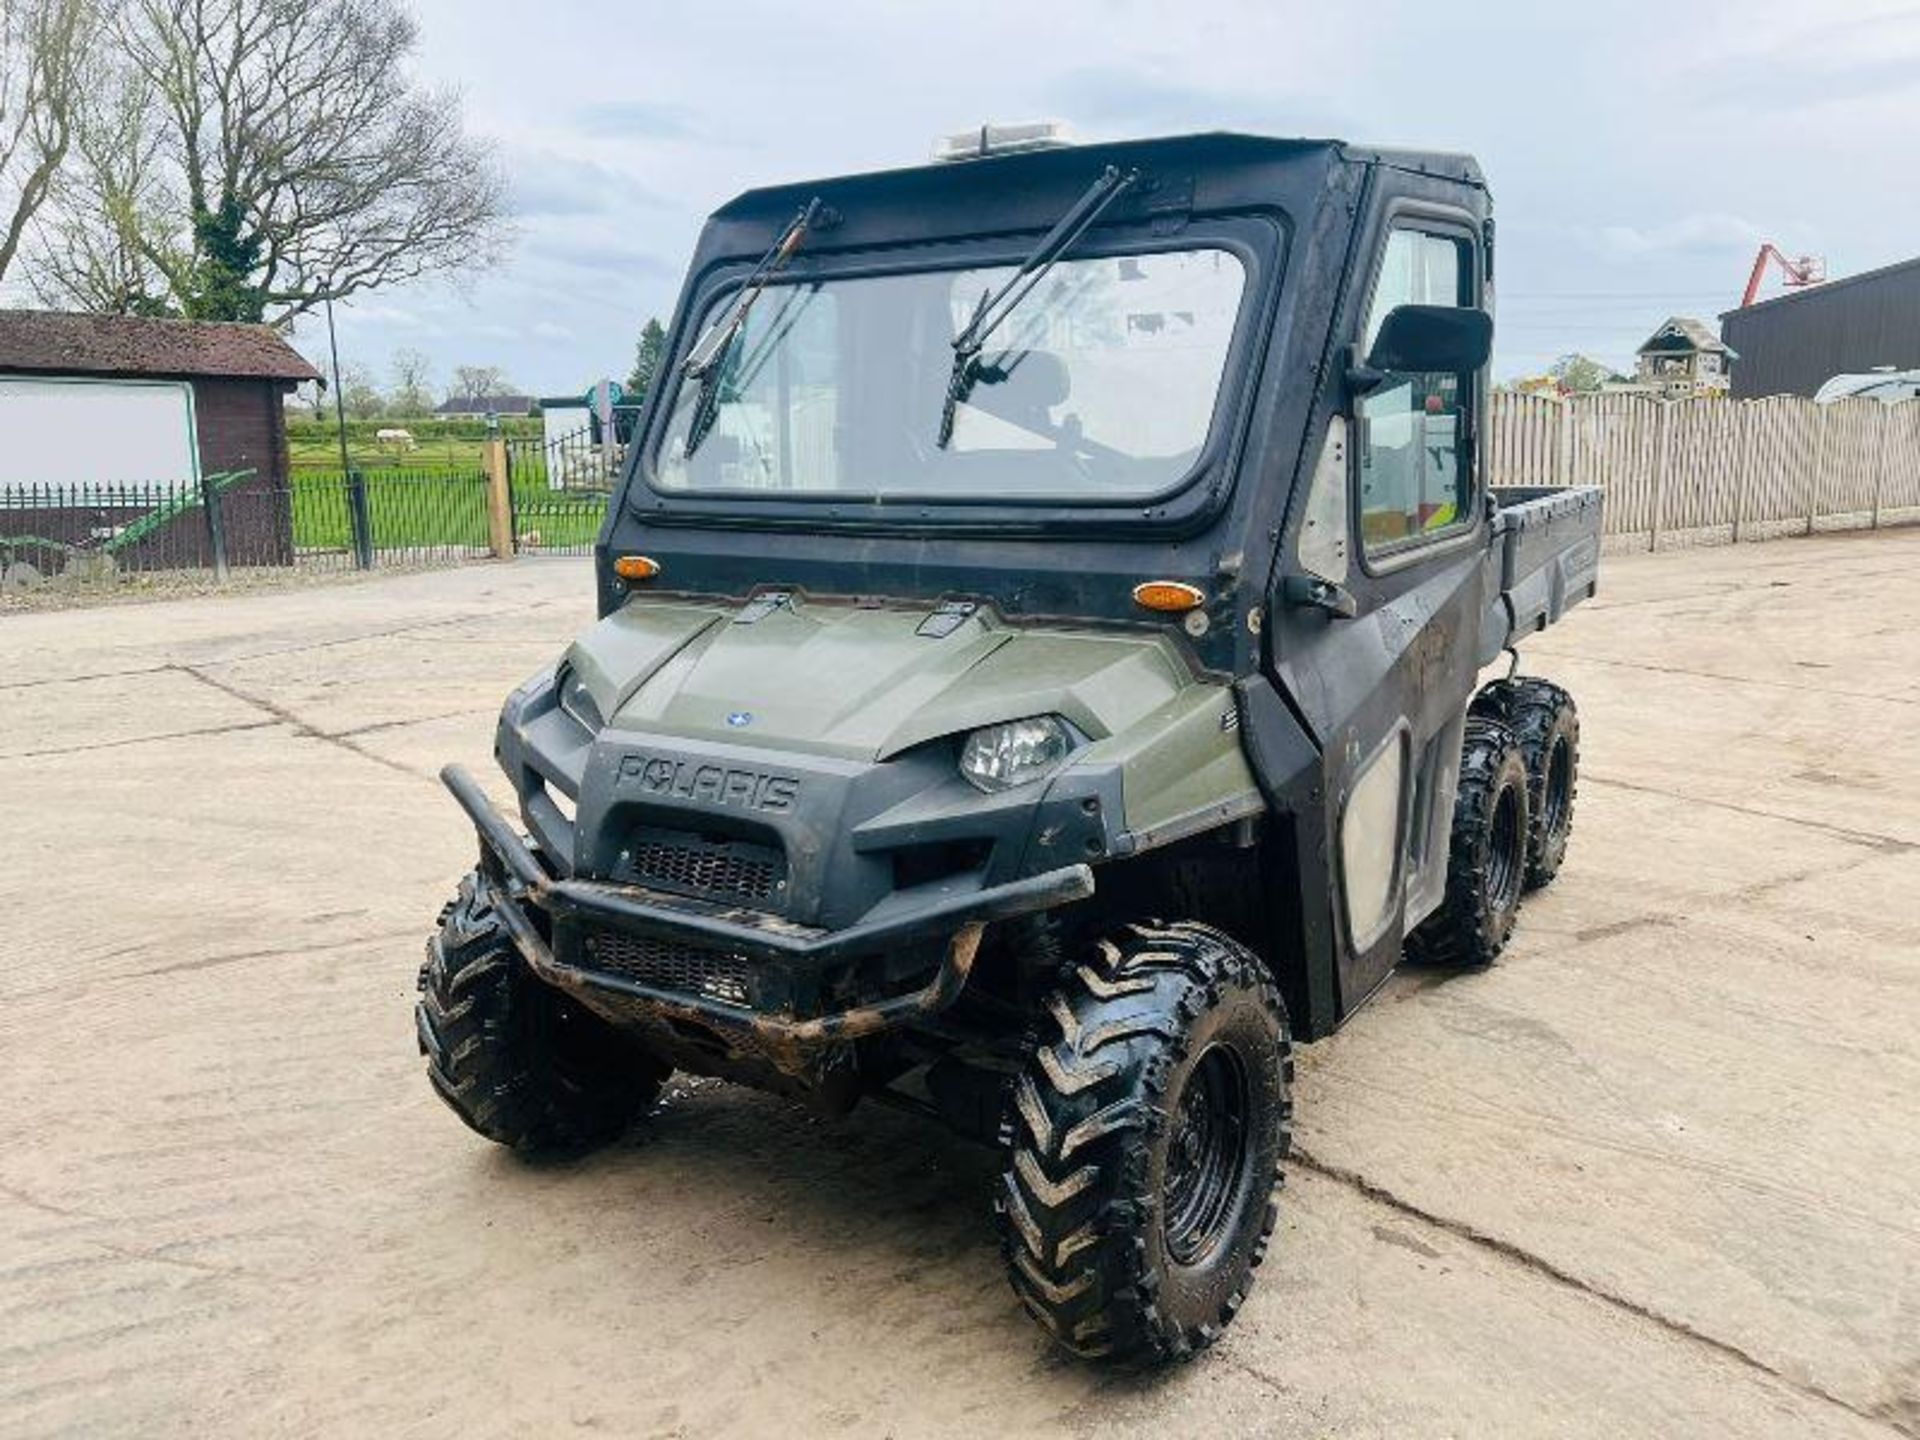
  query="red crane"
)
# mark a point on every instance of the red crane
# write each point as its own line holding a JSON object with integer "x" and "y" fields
{"x": 1803, "y": 270}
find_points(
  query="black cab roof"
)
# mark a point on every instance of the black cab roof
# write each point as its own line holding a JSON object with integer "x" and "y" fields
{"x": 1202, "y": 161}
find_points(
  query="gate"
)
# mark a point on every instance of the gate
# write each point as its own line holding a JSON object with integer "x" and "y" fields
{"x": 559, "y": 490}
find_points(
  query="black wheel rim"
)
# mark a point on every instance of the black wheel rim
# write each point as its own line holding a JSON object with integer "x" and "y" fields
{"x": 1207, "y": 1158}
{"x": 1506, "y": 851}
{"x": 1559, "y": 795}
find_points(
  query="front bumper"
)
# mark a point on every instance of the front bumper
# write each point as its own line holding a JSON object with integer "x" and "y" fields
{"x": 953, "y": 922}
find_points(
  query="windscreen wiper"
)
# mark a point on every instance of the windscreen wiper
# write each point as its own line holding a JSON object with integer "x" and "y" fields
{"x": 709, "y": 355}
{"x": 995, "y": 306}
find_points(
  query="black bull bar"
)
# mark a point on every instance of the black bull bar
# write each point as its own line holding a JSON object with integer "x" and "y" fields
{"x": 960, "y": 919}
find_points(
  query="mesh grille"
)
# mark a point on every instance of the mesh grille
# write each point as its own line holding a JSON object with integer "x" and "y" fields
{"x": 695, "y": 864}
{"x": 670, "y": 965}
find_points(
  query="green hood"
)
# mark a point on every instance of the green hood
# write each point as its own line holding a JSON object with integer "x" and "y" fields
{"x": 858, "y": 681}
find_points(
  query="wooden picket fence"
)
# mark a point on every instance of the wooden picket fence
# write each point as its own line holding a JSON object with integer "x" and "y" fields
{"x": 1715, "y": 469}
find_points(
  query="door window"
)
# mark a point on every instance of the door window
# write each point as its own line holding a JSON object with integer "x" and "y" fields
{"x": 1415, "y": 475}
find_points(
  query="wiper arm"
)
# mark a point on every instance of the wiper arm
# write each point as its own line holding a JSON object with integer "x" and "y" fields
{"x": 709, "y": 355}
{"x": 996, "y": 306}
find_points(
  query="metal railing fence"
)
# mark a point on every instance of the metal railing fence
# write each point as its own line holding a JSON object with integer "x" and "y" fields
{"x": 317, "y": 520}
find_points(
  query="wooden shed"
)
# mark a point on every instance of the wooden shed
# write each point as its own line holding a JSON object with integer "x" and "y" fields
{"x": 95, "y": 403}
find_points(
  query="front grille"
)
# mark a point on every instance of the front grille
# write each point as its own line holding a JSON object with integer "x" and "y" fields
{"x": 670, "y": 965}
{"x": 694, "y": 864}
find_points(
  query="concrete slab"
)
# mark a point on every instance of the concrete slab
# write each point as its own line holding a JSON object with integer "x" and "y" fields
{"x": 1654, "y": 1174}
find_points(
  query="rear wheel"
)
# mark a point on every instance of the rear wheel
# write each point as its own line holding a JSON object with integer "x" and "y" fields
{"x": 1486, "y": 854}
{"x": 515, "y": 1059}
{"x": 1544, "y": 720}
{"x": 1144, "y": 1144}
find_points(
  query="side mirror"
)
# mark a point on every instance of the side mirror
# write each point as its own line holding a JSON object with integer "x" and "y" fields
{"x": 1422, "y": 339}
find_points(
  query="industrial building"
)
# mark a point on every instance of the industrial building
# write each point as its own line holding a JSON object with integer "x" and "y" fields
{"x": 1795, "y": 343}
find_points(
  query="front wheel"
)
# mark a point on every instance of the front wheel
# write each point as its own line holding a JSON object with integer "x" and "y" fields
{"x": 1144, "y": 1144}
{"x": 512, "y": 1057}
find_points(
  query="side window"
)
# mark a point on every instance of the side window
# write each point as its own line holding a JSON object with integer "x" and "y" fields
{"x": 1415, "y": 478}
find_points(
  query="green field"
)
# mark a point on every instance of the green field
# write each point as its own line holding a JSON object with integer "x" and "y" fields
{"x": 439, "y": 445}
{"x": 427, "y": 510}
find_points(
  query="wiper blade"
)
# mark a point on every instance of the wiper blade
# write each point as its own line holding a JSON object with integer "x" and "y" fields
{"x": 709, "y": 354}
{"x": 996, "y": 306}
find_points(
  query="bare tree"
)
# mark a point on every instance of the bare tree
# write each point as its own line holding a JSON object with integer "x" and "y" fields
{"x": 412, "y": 383}
{"x": 359, "y": 394}
{"x": 289, "y": 159}
{"x": 44, "y": 53}
{"x": 480, "y": 381}
{"x": 109, "y": 208}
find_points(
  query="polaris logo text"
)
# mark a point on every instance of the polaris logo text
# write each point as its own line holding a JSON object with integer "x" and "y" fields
{"x": 710, "y": 784}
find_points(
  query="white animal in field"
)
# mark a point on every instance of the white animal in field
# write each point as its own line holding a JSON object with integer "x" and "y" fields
{"x": 393, "y": 439}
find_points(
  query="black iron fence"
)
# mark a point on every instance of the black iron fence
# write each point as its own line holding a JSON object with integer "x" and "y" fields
{"x": 239, "y": 520}
{"x": 408, "y": 517}
{"x": 560, "y": 489}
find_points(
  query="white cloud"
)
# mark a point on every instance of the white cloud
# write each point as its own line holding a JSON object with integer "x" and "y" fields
{"x": 1690, "y": 234}
{"x": 1638, "y": 162}
{"x": 369, "y": 312}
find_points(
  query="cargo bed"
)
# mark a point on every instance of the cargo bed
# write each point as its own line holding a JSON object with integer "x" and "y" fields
{"x": 1547, "y": 542}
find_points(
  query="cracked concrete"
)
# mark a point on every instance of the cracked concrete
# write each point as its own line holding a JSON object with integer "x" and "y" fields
{"x": 1540, "y": 1265}
{"x": 1653, "y": 1174}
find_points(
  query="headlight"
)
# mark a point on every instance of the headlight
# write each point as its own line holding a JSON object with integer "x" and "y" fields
{"x": 1002, "y": 756}
{"x": 578, "y": 701}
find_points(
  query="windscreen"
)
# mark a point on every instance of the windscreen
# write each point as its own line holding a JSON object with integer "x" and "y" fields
{"x": 1100, "y": 385}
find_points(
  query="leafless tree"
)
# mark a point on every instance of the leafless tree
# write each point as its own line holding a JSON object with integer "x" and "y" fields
{"x": 45, "y": 47}
{"x": 479, "y": 381}
{"x": 412, "y": 383}
{"x": 109, "y": 208}
{"x": 282, "y": 156}
{"x": 359, "y": 394}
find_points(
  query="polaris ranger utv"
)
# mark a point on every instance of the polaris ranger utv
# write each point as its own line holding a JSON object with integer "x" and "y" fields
{"x": 1035, "y": 685}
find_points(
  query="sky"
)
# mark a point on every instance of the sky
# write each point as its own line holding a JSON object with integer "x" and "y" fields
{"x": 1638, "y": 153}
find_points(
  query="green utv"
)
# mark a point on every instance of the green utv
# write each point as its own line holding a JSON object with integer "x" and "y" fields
{"x": 1035, "y": 686}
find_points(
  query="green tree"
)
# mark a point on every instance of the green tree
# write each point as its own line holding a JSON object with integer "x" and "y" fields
{"x": 647, "y": 356}
{"x": 227, "y": 252}
{"x": 1581, "y": 374}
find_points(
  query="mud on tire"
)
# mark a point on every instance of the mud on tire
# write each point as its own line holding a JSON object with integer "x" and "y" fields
{"x": 1143, "y": 1144}
{"x": 512, "y": 1057}
{"x": 1486, "y": 853}
{"x": 1545, "y": 721}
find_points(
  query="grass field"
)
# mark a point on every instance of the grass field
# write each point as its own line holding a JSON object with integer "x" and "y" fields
{"x": 439, "y": 445}
{"x": 421, "y": 509}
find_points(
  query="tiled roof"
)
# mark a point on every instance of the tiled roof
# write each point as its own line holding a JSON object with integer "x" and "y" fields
{"x": 53, "y": 342}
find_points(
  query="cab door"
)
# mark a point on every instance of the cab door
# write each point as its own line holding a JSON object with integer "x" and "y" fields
{"x": 1383, "y": 581}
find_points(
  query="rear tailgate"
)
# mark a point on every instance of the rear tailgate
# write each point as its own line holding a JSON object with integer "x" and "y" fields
{"x": 1547, "y": 544}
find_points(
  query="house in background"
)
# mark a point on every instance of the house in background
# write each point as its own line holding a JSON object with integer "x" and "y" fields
{"x": 478, "y": 407}
{"x": 95, "y": 401}
{"x": 1681, "y": 360}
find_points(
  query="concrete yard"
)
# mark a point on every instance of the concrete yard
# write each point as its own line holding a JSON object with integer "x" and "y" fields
{"x": 1656, "y": 1173}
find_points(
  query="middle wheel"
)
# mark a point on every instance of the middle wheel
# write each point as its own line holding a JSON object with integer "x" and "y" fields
{"x": 1486, "y": 853}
